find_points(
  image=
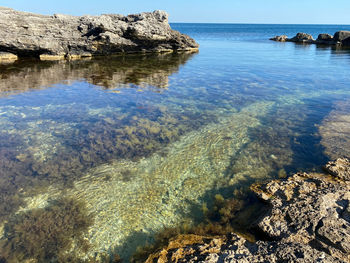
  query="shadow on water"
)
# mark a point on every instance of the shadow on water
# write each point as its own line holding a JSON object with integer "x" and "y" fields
{"x": 148, "y": 70}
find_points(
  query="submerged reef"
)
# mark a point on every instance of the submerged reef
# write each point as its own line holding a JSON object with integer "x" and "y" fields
{"x": 306, "y": 219}
{"x": 340, "y": 38}
{"x": 51, "y": 234}
{"x": 64, "y": 36}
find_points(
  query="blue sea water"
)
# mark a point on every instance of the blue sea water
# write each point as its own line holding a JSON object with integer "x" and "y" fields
{"x": 146, "y": 140}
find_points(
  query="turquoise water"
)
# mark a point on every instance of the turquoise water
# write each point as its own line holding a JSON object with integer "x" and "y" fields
{"x": 145, "y": 141}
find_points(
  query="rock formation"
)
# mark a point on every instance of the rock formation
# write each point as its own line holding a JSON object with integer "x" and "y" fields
{"x": 307, "y": 220}
{"x": 340, "y": 38}
{"x": 62, "y": 36}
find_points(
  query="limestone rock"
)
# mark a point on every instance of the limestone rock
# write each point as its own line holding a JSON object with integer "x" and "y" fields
{"x": 57, "y": 36}
{"x": 307, "y": 220}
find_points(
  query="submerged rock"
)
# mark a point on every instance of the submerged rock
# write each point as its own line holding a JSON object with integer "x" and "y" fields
{"x": 63, "y": 36}
{"x": 341, "y": 38}
{"x": 307, "y": 220}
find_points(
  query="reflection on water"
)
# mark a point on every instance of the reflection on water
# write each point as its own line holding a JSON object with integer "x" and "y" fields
{"x": 140, "y": 143}
{"x": 112, "y": 73}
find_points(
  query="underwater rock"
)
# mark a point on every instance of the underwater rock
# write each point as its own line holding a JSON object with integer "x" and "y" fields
{"x": 59, "y": 36}
{"x": 307, "y": 219}
{"x": 340, "y": 38}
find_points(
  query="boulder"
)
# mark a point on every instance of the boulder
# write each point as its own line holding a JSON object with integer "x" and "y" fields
{"x": 341, "y": 35}
{"x": 282, "y": 38}
{"x": 302, "y": 37}
{"x": 325, "y": 37}
{"x": 58, "y": 36}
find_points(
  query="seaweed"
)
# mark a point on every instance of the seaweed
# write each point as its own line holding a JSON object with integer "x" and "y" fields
{"x": 54, "y": 233}
{"x": 218, "y": 220}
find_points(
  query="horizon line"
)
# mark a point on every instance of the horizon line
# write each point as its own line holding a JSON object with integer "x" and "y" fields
{"x": 251, "y": 23}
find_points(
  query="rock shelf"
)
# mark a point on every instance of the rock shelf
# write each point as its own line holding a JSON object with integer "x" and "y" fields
{"x": 307, "y": 219}
{"x": 63, "y": 36}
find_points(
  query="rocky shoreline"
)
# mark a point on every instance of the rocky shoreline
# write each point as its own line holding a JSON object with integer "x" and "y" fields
{"x": 307, "y": 219}
{"x": 62, "y": 36}
{"x": 340, "y": 38}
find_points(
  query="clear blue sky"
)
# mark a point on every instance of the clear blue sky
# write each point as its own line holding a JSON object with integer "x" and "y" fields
{"x": 219, "y": 11}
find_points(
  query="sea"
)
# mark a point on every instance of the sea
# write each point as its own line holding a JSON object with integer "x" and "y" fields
{"x": 98, "y": 157}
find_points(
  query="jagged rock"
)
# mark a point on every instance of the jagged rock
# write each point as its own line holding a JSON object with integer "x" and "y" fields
{"x": 341, "y": 35}
{"x": 58, "y": 36}
{"x": 308, "y": 220}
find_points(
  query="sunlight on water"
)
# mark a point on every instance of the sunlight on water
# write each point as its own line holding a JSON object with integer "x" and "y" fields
{"x": 140, "y": 143}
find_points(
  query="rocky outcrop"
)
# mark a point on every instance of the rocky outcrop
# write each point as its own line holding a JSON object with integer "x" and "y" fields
{"x": 307, "y": 220}
{"x": 64, "y": 36}
{"x": 340, "y": 38}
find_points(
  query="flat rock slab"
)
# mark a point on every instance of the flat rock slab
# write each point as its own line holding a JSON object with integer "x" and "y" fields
{"x": 64, "y": 36}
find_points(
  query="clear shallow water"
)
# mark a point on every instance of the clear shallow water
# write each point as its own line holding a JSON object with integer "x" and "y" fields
{"x": 144, "y": 141}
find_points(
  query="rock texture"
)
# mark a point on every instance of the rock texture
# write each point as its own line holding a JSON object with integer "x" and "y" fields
{"x": 307, "y": 220}
{"x": 59, "y": 36}
{"x": 340, "y": 38}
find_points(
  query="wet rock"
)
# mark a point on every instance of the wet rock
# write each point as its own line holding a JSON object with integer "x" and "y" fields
{"x": 58, "y": 36}
{"x": 307, "y": 220}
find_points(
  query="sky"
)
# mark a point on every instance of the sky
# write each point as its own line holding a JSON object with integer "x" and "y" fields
{"x": 203, "y": 11}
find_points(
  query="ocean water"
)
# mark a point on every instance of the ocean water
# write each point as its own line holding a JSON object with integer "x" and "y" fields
{"x": 139, "y": 143}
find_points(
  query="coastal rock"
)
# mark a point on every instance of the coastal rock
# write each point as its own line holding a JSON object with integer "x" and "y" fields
{"x": 325, "y": 37}
{"x": 341, "y": 38}
{"x": 307, "y": 220}
{"x": 282, "y": 38}
{"x": 302, "y": 37}
{"x": 341, "y": 35}
{"x": 58, "y": 36}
